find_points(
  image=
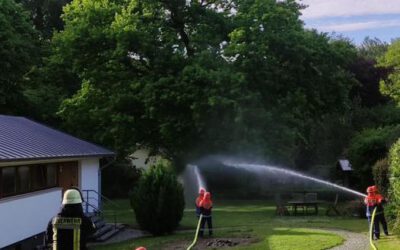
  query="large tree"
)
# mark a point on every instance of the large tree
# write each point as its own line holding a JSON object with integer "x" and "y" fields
{"x": 45, "y": 15}
{"x": 289, "y": 67}
{"x": 18, "y": 52}
{"x": 188, "y": 78}
{"x": 368, "y": 73}
{"x": 144, "y": 80}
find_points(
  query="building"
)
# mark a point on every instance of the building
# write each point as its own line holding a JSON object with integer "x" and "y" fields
{"x": 36, "y": 164}
{"x": 142, "y": 159}
{"x": 345, "y": 169}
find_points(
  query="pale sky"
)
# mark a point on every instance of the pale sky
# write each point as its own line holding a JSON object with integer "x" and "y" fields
{"x": 354, "y": 19}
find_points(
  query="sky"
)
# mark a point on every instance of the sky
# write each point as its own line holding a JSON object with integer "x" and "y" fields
{"x": 354, "y": 19}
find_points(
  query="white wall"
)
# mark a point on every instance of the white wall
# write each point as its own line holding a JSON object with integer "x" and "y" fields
{"x": 26, "y": 215}
{"x": 89, "y": 179}
{"x": 139, "y": 157}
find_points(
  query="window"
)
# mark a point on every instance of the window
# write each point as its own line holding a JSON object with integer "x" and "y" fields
{"x": 38, "y": 176}
{"x": 24, "y": 180}
{"x": 51, "y": 171}
{"x": 9, "y": 181}
{"x": 28, "y": 178}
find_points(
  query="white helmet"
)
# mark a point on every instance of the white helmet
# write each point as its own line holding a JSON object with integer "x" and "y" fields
{"x": 72, "y": 196}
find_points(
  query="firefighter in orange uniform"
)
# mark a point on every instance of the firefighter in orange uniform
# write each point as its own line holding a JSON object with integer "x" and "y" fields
{"x": 198, "y": 200}
{"x": 372, "y": 201}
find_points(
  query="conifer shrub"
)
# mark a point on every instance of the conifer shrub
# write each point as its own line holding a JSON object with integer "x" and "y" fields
{"x": 394, "y": 178}
{"x": 158, "y": 200}
{"x": 380, "y": 170}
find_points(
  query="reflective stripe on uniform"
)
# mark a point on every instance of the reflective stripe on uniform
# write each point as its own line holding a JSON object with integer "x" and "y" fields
{"x": 69, "y": 224}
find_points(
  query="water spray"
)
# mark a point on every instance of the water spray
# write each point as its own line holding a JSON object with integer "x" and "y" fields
{"x": 200, "y": 184}
{"x": 199, "y": 178}
{"x": 266, "y": 169}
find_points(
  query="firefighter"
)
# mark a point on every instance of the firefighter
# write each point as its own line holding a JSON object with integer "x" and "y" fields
{"x": 205, "y": 209}
{"x": 198, "y": 200}
{"x": 70, "y": 228}
{"x": 380, "y": 213}
{"x": 141, "y": 248}
{"x": 372, "y": 201}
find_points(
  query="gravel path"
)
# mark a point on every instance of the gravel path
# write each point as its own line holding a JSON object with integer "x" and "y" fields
{"x": 353, "y": 241}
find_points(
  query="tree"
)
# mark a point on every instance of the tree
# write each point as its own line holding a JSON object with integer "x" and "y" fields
{"x": 391, "y": 85}
{"x": 157, "y": 88}
{"x": 186, "y": 78}
{"x": 18, "y": 52}
{"x": 288, "y": 67}
{"x": 368, "y": 74}
{"x": 373, "y": 48}
{"x": 45, "y": 15}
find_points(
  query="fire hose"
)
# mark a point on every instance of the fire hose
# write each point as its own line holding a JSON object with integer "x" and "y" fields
{"x": 371, "y": 230}
{"x": 197, "y": 233}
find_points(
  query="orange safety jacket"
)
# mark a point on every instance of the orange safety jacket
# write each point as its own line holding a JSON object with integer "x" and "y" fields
{"x": 372, "y": 201}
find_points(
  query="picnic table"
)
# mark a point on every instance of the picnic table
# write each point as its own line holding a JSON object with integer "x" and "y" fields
{"x": 304, "y": 204}
{"x": 304, "y": 201}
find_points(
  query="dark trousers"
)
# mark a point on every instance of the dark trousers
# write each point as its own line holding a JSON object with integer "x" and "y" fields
{"x": 379, "y": 218}
{"x": 203, "y": 223}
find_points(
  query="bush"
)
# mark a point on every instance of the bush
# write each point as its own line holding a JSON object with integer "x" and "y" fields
{"x": 394, "y": 190}
{"x": 367, "y": 148}
{"x": 381, "y": 175}
{"x": 158, "y": 200}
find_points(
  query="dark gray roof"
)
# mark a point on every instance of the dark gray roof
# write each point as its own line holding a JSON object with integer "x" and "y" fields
{"x": 23, "y": 139}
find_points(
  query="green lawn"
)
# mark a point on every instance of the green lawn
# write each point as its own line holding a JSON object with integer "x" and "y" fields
{"x": 257, "y": 220}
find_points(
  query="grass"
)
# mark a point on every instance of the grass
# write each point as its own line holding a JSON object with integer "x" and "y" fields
{"x": 297, "y": 238}
{"x": 256, "y": 219}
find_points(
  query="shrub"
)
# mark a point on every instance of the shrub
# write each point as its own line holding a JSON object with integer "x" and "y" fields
{"x": 158, "y": 200}
{"x": 381, "y": 175}
{"x": 394, "y": 190}
{"x": 368, "y": 147}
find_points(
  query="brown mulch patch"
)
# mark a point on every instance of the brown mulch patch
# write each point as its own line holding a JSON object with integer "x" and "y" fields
{"x": 211, "y": 243}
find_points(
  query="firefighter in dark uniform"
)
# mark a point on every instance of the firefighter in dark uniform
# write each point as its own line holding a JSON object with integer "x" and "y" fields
{"x": 69, "y": 229}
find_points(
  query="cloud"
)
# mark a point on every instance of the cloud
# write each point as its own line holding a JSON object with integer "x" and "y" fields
{"x": 347, "y": 8}
{"x": 355, "y": 26}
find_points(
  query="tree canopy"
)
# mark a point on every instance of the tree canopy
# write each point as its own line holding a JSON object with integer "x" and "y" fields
{"x": 187, "y": 78}
{"x": 18, "y": 54}
{"x": 391, "y": 85}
